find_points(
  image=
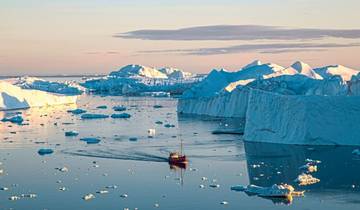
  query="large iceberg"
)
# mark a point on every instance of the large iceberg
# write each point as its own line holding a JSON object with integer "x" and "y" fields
{"x": 302, "y": 119}
{"x": 138, "y": 79}
{"x": 14, "y": 97}
{"x": 53, "y": 87}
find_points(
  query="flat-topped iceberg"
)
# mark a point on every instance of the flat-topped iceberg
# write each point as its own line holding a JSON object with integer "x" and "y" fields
{"x": 302, "y": 119}
{"x": 13, "y": 97}
{"x": 35, "y": 83}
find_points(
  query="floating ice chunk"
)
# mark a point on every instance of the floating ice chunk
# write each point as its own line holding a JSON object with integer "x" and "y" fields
{"x": 77, "y": 111}
{"x": 89, "y": 197}
{"x": 62, "y": 188}
{"x": 63, "y": 169}
{"x": 4, "y": 189}
{"x": 204, "y": 178}
{"x": 224, "y": 203}
{"x": 14, "y": 198}
{"x": 102, "y": 107}
{"x": 309, "y": 168}
{"x": 102, "y": 192}
{"x": 238, "y": 188}
{"x": 45, "y": 151}
{"x": 119, "y": 108}
{"x": 356, "y": 152}
{"x": 111, "y": 187}
{"x": 151, "y": 132}
{"x": 277, "y": 191}
{"x": 32, "y": 195}
{"x": 94, "y": 116}
{"x": 214, "y": 185}
{"x": 202, "y": 186}
{"x": 90, "y": 140}
{"x": 71, "y": 133}
{"x": 156, "y": 205}
{"x": 133, "y": 139}
{"x": 169, "y": 126}
{"x": 124, "y": 195}
{"x": 17, "y": 119}
{"x": 122, "y": 115}
{"x": 306, "y": 179}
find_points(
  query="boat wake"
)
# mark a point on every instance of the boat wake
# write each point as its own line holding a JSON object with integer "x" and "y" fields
{"x": 117, "y": 154}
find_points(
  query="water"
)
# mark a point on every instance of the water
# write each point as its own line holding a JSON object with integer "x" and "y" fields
{"x": 139, "y": 168}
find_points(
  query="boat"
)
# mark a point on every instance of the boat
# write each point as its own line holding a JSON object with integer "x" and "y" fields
{"x": 178, "y": 158}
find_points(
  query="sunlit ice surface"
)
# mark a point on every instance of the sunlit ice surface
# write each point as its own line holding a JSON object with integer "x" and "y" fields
{"x": 139, "y": 167}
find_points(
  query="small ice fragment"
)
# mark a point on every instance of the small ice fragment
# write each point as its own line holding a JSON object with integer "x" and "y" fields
{"x": 356, "y": 152}
{"x": 151, "y": 132}
{"x": 89, "y": 197}
{"x": 29, "y": 195}
{"x": 62, "y": 188}
{"x": 156, "y": 205}
{"x": 169, "y": 125}
{"x": 202, "y": 186}
{"x": 102, "y": 192}
{"x": 71, "y": 133}
{"x": 94, "y": 116}
{"x": 14, "y": 198}
{"x": 214, "y": 185}
{"x": 238, "y": 188}
{"x": 111, "y": 187}
{"x": 224, "y": 203}
{"x": 77, "y": 111}
{"x": 4, "y": 189}
{"x": 14, "y": 119}
{"x": 124, "y": 195}
{"x": 119, "y": 108}
{"x": 90, "y": 140}
{"x": 204, "y": 178}
{"x": 133, "y": 139}
{"x": 306, "y": 179}
{"x": 45, "y": 151}
{"x": 63, "y": 169}
{"x": 122, "y": 116}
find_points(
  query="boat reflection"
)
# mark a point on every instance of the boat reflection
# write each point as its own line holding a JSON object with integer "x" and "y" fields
{"x": 178, "y": 166}
{"x": 270, "y": 164}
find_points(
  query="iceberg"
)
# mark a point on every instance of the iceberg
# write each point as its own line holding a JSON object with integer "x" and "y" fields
{"x": 90, "y": 140}
{"x": 53, "y": 87}
{"x": 17, "y": 119}
{"x": 137, "y": 79}
{"x": 302, "y": 119}
{"x": 94, "y": 116}
{"x": 122, "y": 115}
{"x": 14, "y": 97}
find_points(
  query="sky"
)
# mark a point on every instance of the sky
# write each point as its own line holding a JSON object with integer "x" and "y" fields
{"x": 41, "y": 37}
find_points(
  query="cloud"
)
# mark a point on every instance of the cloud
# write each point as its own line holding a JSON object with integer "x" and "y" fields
{"x": 240, "y": 32}
{"x": 261, "y": 48}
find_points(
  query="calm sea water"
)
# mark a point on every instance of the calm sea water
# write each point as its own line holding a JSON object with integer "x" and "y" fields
{"x": 139, "y": 168}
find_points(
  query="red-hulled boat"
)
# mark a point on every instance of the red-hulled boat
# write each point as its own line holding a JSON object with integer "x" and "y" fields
{"x": 176, "y": 158}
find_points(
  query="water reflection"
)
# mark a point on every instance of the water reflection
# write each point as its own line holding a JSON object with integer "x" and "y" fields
{"x": 270, "y": 164}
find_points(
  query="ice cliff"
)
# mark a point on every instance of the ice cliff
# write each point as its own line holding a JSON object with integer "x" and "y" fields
{"x": 13, "y": 97}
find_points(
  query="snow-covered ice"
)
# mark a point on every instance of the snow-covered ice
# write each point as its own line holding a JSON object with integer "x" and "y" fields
{"x": 13, "y": 97}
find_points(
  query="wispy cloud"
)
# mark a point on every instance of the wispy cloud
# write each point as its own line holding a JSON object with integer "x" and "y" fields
{"x": 240, "y": 32}
{"x": 260, "y": 48}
